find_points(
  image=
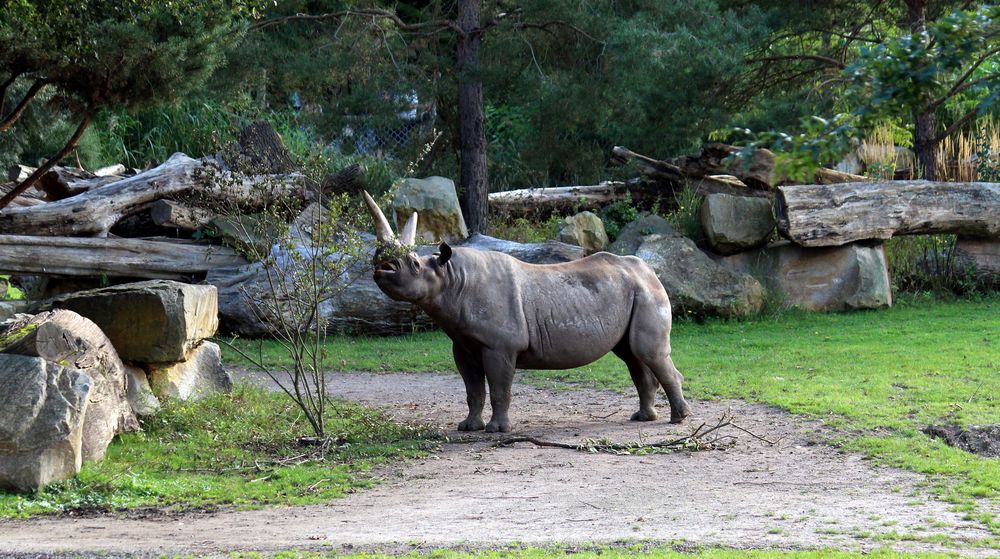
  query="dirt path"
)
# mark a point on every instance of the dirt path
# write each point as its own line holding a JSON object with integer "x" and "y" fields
{"x": 796, "y": 493}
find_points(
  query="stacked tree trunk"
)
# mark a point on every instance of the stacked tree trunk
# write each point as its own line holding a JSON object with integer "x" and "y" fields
{"x": 717, "y": 169}
{"x": 138, "y": 226}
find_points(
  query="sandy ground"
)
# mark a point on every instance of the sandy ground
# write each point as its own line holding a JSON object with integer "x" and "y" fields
{"x": 798, "y": 493}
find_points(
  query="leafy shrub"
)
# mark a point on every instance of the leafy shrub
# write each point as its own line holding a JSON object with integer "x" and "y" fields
{"x": 618, "y": 215}
{"x": 927, "y": 264}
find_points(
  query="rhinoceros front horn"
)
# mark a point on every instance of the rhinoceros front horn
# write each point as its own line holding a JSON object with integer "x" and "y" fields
{"x": 382, "y": 229}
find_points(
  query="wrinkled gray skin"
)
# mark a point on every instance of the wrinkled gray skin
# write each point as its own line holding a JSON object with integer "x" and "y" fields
{"x": 502, "y": 314}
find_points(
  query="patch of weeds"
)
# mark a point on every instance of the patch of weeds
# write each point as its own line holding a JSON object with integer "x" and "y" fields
{"x": 232, "y": 449}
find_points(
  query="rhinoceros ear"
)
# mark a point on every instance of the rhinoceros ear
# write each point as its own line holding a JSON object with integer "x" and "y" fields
{"x": 445, "y": 253}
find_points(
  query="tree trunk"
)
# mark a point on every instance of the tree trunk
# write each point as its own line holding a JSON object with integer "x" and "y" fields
{"x": 66, "y": 149}
{"x": 925, "y": 145}
{"x": 89, "y": 257}
{"x": 471, "y": 126}
{"x": 819, "y": 215}
{"x": 179, "y": 216}
{"x": 96, "y": 211}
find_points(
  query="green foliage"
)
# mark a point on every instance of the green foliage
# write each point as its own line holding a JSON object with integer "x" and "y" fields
{"x": 884, "y": 374}
{"x": 686, "y": 216}
{"x": 8, "y": 291}
{"x": 238, "y": 449}
{"x": 523, "y": 230}
{"x": 906, "y": 74}
{"x": 617, "y": 551}
{"x": 927, "y": 263}
{"x": 617, "y": 215}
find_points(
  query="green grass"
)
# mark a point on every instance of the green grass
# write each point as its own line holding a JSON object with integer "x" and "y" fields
{"x": 232, "y": 449}
{"x": 877, "y": 376}
{"x": 605, "y": 552}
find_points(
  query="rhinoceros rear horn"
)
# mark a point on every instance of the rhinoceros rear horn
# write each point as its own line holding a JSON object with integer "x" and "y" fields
{"x": 408, "y": 235}
{"x": 382, "y": 229}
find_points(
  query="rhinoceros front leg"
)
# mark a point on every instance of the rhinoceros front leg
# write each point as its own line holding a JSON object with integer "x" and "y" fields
{"x": 499, "y": 369}
{"x": 471, "y": 369}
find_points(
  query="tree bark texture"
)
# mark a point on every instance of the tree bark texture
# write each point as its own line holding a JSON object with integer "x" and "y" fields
{"x": 96, "y": 211}
{"x": 471, "y": 121}
{"x": 90, "y": 257}
{"x": 833, "y": 215}
{"x": 925, "y": 145}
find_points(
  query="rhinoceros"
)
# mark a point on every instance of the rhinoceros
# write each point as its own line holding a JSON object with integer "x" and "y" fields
{"x": 502, "y": 314}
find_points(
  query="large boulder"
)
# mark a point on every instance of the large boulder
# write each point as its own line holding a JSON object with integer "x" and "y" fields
{"x": 980, "y": 258}
{"x": 66, "y": 338}
{"x": 632, "y": 235}
{"x": 358, "y": 305}
{"x": 140, "y": 395}
{"x": 42, "y": 409}
{"x": 156, "y": 321}
{"x": 201, "y": 374}
{"x": 586, "y": 230}
{"x": 436, "y": 203}
{"x": 853, "y": 276}
{"x": 736, "y": 223}
{"x": 695, "y": 283}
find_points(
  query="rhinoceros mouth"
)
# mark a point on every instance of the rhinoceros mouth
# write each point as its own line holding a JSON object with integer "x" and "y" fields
{"x": 385, "y": 268}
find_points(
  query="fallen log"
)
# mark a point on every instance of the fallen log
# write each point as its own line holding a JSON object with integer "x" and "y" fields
{"x": 96, "y": 211}
{"x": 64, "y": 182}
{"x": 566, "y": 199}
{"x": 18, "y": 173}
{"x": 833, "y": 215}
{"x": 140, "y": 258}
{"x": 166, "y": 213}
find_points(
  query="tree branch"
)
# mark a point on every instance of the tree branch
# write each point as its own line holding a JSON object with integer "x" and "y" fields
{"x": 960, "y": 85}
{"x": 66, "y": 149}
{"x": 429, "y": 27}
{"x": 3, "y": 90}
{"x": 956, "y": 125}
{"x": 19, "y": 109}
{"x": 818, "y": 58}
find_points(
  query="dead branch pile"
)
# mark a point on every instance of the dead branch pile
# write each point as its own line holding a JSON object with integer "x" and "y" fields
{"x": 158, "y": 223}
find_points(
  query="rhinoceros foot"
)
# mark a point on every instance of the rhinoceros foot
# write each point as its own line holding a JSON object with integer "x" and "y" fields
{"x": 471, "y": 424}
{"x": 498, "y": 426}
{"x": 679, "y": 413}
{"x": 644, "y": 415}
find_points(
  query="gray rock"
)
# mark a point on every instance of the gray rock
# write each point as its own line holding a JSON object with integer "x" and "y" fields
{"x": 10, "y": 308}
{"x": 140, "y": 395}
{"x": 42, "y": 408}
{"x": 695, "y": 283}
{"x": 736, "y": 223}
{"x": 632, "y": 235}
{"x": 436, "y": 202}
{"x": 549, "y": 252}
{"x": 66, "y": 338}
{"x": 200, "y": 375}
{"x": 980, "y": 258}
{"x": 156, "y": 321}
{"x": 852, "y": 276}
{"x": 586, "y": 230}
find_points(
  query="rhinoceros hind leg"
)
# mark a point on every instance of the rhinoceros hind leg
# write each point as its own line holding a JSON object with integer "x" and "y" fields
{"x": 645, "y": 383}
{"x": 671, "y": 378}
